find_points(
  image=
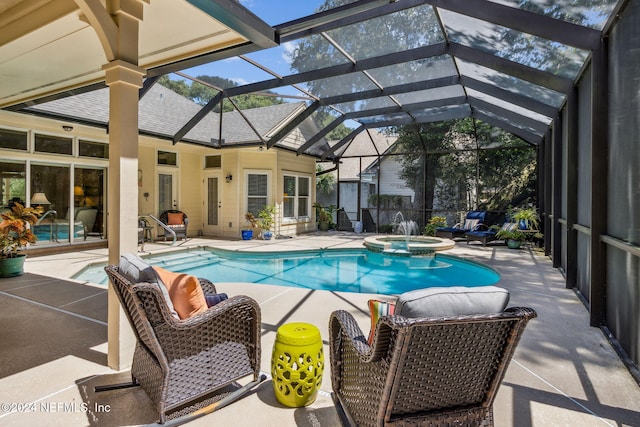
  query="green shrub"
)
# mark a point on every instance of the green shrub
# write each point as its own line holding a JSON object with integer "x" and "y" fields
{"x": 434, "y": 222}
{"x": 385, "y": 229}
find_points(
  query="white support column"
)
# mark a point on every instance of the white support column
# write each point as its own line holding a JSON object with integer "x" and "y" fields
{"x": 124, "y": 81}
{"x": 117, "y": 25}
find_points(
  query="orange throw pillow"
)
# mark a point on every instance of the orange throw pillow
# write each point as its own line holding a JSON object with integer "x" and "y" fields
{"x": 174, "y": 218}
{"x": 185, "y": 292}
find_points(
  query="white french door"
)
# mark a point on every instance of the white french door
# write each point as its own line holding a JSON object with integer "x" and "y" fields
{"x": 167, "y": 190}
{"x": 212, "y": 204}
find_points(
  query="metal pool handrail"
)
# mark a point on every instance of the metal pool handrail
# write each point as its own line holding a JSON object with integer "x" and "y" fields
{"x": 163, "y": 225}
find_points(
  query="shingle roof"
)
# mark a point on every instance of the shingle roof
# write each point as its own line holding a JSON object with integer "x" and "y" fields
{"x": 163, "y": 113}
{"x": 363, "y": 152}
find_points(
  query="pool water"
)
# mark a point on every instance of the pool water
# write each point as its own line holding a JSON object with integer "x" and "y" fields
{"x": 357, "y": 270}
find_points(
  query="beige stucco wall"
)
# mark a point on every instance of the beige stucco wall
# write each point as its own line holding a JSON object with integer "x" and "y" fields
{"x": 190, "y": 173}
{"x": 301, "y": 165}
{"x": 240, "y": 162}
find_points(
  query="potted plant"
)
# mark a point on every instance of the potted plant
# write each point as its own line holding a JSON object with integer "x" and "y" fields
{"x": 247, "y": 234}
{"x": 527, "y": 218}
{"x": 514, "y": 238}
{"x": 266, "y": 216}
{"x": 15, "y": 234}
{"x": 324, "y": 216}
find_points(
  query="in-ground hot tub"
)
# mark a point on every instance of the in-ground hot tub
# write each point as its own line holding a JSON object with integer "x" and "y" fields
{"x": 407, "y": 245}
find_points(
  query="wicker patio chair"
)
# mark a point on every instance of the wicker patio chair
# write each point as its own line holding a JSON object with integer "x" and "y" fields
{"x": 181, "y": 363}
{"x": 421, "y": 371}
{"x": 175, "y": 220}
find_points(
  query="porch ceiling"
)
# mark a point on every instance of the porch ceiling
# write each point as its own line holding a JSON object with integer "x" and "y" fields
{"x": 48, "y": 46}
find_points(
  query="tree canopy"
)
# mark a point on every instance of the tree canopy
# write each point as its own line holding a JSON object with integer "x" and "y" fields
{"x": 202, "y": 94}
{"x": 450, "y": 165}
{"x": 466, "y": 164}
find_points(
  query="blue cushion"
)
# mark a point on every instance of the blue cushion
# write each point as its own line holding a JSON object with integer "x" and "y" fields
{"x": 215, "y": 299}
{"x": 488, "y": 233}
{"x": 448, "y": 229}
{"x": 479, "y": 215}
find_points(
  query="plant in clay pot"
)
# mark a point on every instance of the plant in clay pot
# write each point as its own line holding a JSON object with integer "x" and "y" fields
{"x": 324, "y": 216}
{"x": 15, "y": 234}
{"x": 514, "y": 238}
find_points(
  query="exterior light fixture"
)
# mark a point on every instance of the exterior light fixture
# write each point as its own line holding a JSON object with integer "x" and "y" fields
{"x": 67, "y": 128}
{"x": 228, "y": 178}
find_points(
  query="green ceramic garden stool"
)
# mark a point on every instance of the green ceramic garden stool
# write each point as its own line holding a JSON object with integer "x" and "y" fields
{"x": 297, "y": 363}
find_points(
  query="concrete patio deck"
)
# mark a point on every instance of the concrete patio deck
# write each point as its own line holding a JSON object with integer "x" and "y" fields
{"x": 53, "y": 347}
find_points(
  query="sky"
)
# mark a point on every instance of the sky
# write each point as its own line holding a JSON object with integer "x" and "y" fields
{"x": 273, "y": 12}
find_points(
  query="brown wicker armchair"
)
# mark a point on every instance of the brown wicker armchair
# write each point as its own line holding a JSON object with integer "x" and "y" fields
{"x": 422, "y": 371}
{"x": 175, "y": 220}
{"x": 183, "y": 362}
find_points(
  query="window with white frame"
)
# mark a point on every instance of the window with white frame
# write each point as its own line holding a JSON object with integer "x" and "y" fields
{"x": 257, "y": 191}
{"x": 296, "y": 192}
{"x": 13, "y": 139}
{"x": 167, "y": 158}
{"x": 53, "y": 144}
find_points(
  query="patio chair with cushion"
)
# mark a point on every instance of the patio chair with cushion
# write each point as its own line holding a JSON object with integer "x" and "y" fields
{"x": 486, "y": 234}
{"x": 88, "y": 219}
{"x": 175, "y": 220}
{"x": 144, "y": 232}
{"x": 186, "y": 352}
{"x": 439, "y": 360}
{"x": 472, "y": 219}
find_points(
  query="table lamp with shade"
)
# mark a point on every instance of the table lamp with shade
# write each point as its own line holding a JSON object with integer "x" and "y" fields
{"x": 78, "y": 193}
{"x": 39, "y": 199}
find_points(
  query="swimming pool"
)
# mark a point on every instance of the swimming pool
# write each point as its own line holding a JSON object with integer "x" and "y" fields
{"x": 353, "y": 270}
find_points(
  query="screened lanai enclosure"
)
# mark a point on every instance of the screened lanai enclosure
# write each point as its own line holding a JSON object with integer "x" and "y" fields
{"x": 432, "y": 107}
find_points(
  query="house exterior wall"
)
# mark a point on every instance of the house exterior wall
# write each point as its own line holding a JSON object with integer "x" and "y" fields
{"x": 390, "y": 181}
{"x": 189, "y": 174}
{"x": 290, "y": 164}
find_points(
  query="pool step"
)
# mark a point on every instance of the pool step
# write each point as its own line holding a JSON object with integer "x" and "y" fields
{"x": 181, "y": 261}
{"x": 397, "y": 252}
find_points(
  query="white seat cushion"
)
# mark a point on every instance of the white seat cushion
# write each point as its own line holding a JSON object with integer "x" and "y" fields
{"x": 452, "y": 301}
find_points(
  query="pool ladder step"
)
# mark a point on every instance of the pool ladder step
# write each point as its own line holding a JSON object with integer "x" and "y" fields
{"x": 183, "y": 261}
{"x": 177, "y": 256}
